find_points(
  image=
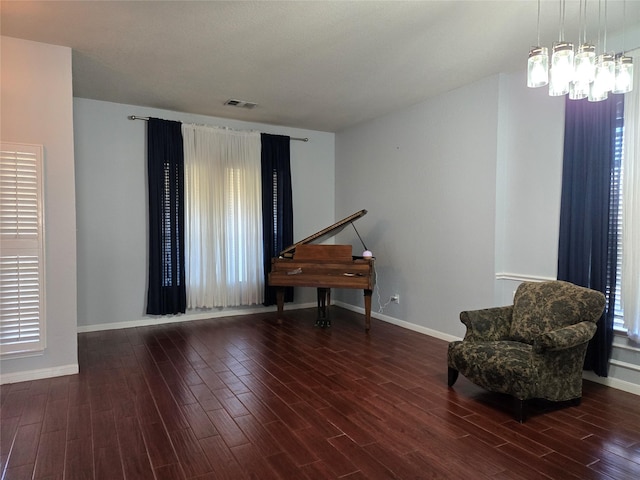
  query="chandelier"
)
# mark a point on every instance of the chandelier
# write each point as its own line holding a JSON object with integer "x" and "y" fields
{"x": 580, "y": 72}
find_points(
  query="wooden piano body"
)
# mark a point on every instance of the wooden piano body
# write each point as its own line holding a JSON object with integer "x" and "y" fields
{"x": 323, "y": 267}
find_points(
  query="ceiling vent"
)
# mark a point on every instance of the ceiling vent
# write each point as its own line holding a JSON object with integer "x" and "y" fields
{"x": 240, "y": 103}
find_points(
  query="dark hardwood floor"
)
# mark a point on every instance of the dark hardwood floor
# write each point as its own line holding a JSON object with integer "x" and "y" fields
{"x": 243, "y": 397}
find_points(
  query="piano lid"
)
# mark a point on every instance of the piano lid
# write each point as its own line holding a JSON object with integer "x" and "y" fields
{"x": 324, "y": 233}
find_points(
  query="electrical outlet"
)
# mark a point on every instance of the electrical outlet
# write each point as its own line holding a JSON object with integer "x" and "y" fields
{"x": 395, "y": 298}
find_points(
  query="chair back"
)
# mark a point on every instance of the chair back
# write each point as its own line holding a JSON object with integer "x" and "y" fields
{"x": 541, "y": 307}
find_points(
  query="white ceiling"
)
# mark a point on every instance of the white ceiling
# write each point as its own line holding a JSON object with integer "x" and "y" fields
{"x": 321, "y": 65}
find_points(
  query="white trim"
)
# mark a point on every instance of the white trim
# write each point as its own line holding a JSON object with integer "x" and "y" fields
{"x": 39, "y": 374}
{"x": 614, "y": 382}
{"x": 161, "y": 320}
{"x": 627, "y": 365}
{"x": 518, "y": 277}
{"x": 623, "y": 342}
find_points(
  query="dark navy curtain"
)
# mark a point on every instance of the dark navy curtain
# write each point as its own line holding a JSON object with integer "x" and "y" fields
{"x": 165, "y": 168}
{"x": 277, "y": 205}
{"x": 589, "y": 208}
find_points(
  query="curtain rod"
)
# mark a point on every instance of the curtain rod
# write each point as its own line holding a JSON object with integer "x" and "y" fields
{"x": 135, "y": 117}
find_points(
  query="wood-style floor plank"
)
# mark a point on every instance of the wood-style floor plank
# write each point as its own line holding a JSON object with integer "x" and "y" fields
{"x": 248, "y": 398}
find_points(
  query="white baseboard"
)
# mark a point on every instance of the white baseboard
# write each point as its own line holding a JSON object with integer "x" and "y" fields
{"x": 187, "y": 317}
{"x": 402, "y": 323}
{"x": 39, "y": 374}
{"x": 613, "y": 383}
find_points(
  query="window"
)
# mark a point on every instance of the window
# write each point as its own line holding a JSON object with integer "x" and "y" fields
{"x": 617, "y": 182}
{"x": 237, "y": 185}
{"x": 223, "y": 217}
{"x": 22, "y": 255}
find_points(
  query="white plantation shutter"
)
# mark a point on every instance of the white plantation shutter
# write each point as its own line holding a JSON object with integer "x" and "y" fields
{"x": 21, "y": 249}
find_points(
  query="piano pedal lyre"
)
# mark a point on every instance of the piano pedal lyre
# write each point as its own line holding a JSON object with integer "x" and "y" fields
{"x": 324, "y": 301}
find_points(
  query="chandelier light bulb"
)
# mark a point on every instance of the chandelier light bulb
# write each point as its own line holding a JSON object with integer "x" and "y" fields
{"x": 623, "y": 74}
{"x": 605, "y": 71}
{"x": 538, "y": 67}
{"x": 579, "y": 90}
{"x": 561, "y": 73}
{"x": 585, "y": 63}
{"x": 557, "y": 87}
{"x": 598, "y": 91}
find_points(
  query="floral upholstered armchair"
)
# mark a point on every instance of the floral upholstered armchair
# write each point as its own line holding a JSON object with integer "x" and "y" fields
{"x": 534, "y": 348}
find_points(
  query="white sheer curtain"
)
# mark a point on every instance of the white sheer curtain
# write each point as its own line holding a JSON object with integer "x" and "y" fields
{"x": 631, "y": 207}
{"x": 223, "y": 217}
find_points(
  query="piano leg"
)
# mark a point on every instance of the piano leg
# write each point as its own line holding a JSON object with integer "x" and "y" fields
{"x": 367, "y": 309}
{"x": 324, "y": 295}
{"x": 280, "y": 302}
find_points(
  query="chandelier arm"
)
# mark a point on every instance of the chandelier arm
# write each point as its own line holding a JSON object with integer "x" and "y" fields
{"x": 604, "y": 43}
{"x": 561, "y": 26}
{"x": 624, "y": 22}
{"x": 583, "y": 21}
{"x": 538, "y": 25}
{"x": 599, "y": 22}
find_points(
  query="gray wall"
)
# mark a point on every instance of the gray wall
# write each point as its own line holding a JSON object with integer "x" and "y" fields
{"x": 112, "y": 206}
{"x": 37, "y": 109}
{"x": 463, "y": 193}
{"x": 427, "y": 175}
{"x": 530, "y": 143}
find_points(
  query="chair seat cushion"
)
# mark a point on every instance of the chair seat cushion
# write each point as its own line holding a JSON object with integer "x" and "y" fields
{"x": 499, "y": 366}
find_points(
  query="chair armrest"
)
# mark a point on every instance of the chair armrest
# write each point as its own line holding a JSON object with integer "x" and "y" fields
{"x": 564, "y": 338}
{"x": 489, "y": 324}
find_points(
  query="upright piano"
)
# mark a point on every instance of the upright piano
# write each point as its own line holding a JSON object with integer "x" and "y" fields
{"x": 305, "y": 264}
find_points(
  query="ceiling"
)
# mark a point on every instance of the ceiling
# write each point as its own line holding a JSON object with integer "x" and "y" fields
{"x": 320, "y": 65}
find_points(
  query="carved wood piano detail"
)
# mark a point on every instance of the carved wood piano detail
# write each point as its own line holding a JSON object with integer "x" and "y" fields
{"x": 324, "y": 267}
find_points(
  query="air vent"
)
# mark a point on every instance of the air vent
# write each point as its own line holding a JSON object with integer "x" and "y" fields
{"x": 240, "y": 103}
